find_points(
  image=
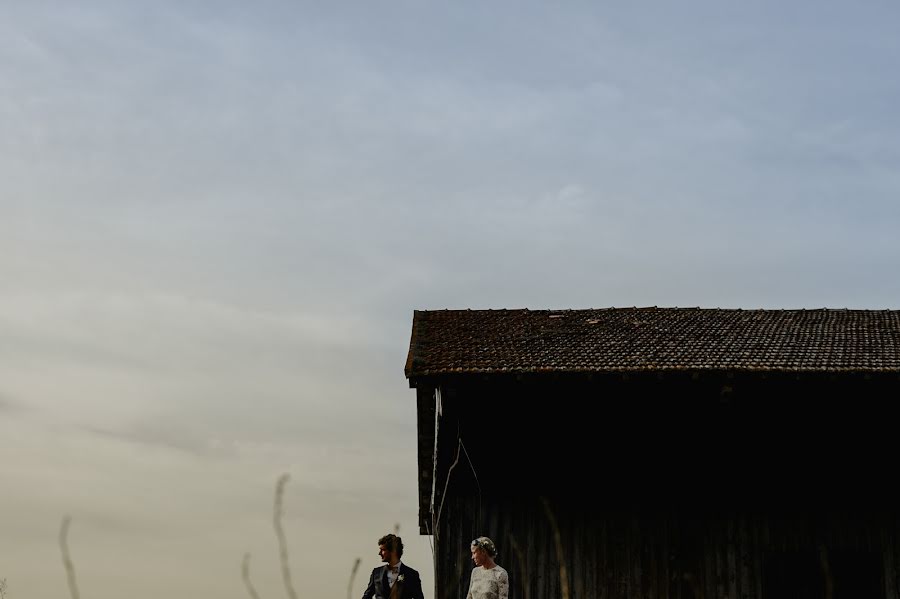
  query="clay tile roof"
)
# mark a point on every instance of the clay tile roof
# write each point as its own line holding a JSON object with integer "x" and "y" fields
{"x": 639, "y": 339}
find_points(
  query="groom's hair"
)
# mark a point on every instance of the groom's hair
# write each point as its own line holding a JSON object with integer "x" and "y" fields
{"x": 392, "y": 543}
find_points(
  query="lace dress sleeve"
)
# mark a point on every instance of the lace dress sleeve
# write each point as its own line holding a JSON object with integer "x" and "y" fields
{"x": 471, "y": 582}
{"x": 503, "y": 584}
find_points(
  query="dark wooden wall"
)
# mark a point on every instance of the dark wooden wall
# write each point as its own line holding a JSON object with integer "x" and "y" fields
{"x": 681, "y": 486}
{"x": 646, "y": 555}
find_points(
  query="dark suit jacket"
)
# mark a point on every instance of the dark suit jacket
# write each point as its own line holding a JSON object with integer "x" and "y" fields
{"x": 410, "y": 587}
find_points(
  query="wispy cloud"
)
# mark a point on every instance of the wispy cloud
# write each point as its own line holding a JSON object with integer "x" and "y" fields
{"x": 217, "y": 220}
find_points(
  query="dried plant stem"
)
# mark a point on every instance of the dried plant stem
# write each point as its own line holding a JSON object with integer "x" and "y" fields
{"x": 826, "y": 572}
{"x": 352, "y": 576}
{"x": 563, "y": 575}
{"x": 282, "y": 541}
{"x": 520, "y": 558}
{"x": 477, "y": 482}
{"x": 245, "y": 574}
{"x": 436, "y": 520}
{"x": 435, "y": 525}
{"x": 67, "y": 560}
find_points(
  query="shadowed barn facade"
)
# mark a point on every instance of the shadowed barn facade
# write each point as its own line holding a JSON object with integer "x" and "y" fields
{"x": 678, "y": 453}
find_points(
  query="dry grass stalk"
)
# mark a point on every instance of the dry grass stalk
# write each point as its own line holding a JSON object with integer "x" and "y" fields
{"x": 563, "y": 574}
{"x": 436, "y": 521}
{"x": 825, "y": 563}
{"x": 282, "y": 541}
{"x": 477, "y": 482}
{"x": 460, "y": 448}
{"x": 67, "y": 560}
{"x": 352, "y": 576}
{"x": 245, "y": 574}
{"x": 520, "y": 559}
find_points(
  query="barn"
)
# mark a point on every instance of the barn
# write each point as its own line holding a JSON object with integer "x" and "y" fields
{"x": 677, "y": 453}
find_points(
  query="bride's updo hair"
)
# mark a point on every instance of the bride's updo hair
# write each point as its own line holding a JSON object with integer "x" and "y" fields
{"x": 487, "y": 545}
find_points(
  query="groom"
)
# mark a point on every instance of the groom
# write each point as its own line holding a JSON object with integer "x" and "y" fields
{"x": 394, "y": 580}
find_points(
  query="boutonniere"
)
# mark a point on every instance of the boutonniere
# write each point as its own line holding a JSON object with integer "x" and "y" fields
{"x": 400, "y": 578}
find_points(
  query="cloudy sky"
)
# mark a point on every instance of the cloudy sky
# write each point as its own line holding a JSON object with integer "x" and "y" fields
{"x": 217, "y": 218}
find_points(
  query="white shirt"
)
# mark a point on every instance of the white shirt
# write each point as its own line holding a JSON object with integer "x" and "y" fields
{"x": 391, "y": 575}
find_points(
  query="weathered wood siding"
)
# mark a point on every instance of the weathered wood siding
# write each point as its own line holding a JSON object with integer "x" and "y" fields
{"x": 621, "y": 555}
{"x": 679, "y": 487}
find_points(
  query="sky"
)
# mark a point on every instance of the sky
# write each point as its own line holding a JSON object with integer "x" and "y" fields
{"x": 217, "y": 219}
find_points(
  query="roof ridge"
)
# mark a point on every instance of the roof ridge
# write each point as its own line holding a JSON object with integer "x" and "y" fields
{"x": 662, "y": 308}
{"x": 653, "y": 338}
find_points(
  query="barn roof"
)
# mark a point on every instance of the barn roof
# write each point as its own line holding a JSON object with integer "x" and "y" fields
{"x": 446, "y": 342}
